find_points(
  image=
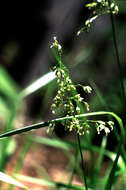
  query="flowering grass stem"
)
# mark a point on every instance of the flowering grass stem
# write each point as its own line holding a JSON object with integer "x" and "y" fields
{"x": 45, "y": 124}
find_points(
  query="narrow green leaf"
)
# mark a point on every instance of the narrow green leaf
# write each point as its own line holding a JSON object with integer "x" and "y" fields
{"x": 66, "y": 145}
{"x": 7, "y": 85}
{"x": 24, "y": 129}
{"x": 48, "y": 183}
{"x": 39, "y": 83}
{"x": 99, "y": 162}
{"x": 99, "y": 95}
{"x": 7, "y": 179}
{"x": 111, "y": 176}
{"x": 45, "y": 124}
{"x": 11, "y": 146}
{"x": 52, "y": 142}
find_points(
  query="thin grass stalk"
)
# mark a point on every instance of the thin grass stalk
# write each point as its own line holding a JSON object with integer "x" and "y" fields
{"x": 82, "y": 161}
{"x": 117, "y": 56}
{"x": 120, "y": 69}
{"x": 99, "y": 162}
{"x": 102, "y": 101}
{"x": 23, "y": 152}
{"x": 112, "y": 176}
{"x": 74, "y": 167}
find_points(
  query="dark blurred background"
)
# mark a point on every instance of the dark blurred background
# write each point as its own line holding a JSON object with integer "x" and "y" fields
{"x": 28, "y": 28}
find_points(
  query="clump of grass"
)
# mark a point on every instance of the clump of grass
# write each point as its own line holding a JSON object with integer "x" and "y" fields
{"x": 75, "y": 115}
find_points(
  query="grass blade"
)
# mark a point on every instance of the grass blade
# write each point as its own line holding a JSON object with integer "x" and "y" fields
{"x": 24, "y": 129}
{"x": 23, "y": 152}
{"x": 49, "y": 183}
{"x": 55, "y": 142}
{"x": 41, "y": 82}
{"x": 45, "y": 124}
{"x": 111, "y": 177}
{"x": 7, "y": 179}
{"x": 99, "y": 162}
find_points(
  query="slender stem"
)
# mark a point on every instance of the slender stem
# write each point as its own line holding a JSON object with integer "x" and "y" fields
{"x": 111, "y": 176}
{"x": 71, "y": 178}
{"x": 82, "y": 160}
{"x": 117, "y": 56}
{"x": 74, "y": 167}
{"x": 119, "y": 66}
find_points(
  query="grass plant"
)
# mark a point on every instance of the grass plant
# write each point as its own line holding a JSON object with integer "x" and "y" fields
{"x": 72, "y": 111}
